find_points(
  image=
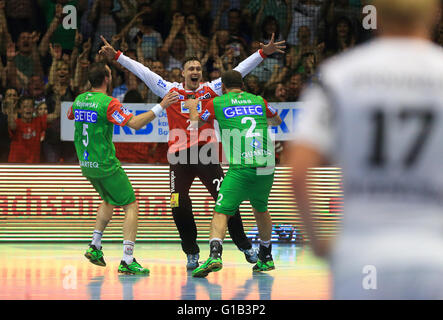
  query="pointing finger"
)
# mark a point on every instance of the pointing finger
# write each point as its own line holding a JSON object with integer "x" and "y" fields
{"x": 104, "y": 41}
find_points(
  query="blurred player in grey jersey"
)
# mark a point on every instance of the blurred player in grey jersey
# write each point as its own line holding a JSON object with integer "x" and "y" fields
{"x": 378, "y": 114}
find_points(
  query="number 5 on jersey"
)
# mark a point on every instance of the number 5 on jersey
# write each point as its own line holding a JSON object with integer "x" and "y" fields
{"x": 85, "y": 133}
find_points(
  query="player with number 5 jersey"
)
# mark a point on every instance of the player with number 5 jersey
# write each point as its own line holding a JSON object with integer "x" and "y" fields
{"x": 95, "y": 114}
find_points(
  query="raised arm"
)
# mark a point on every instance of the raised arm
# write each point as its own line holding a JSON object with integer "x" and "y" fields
{"x": 143, "y": 119}
{"x": 56, "y": 114}
{"x": 247, "y": 65}
{"x": 256, "y": 58}
{"x": 44, "y": 43}
{"x": 3, "y": 24}
{"x": 12, "y": 116}
{"x": 155, "y": 82}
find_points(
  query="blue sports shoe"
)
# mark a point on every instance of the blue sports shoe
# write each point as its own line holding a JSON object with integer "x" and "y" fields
{"x": 192, "y": 261}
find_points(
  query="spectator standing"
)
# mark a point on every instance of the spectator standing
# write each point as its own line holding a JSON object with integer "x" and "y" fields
{"x": 26, "y": 131}
{"x": 9, "y": 102}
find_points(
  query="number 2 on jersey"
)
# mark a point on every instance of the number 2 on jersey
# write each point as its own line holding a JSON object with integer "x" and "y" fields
{"x": 250, "y": 133}
{"x": 378, "y": 156}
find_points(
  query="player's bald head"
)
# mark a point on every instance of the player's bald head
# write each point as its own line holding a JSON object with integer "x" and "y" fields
{"x": 406, "y": 14}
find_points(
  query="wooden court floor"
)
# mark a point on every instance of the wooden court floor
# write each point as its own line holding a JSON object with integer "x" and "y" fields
{"x": 35, "y": 271}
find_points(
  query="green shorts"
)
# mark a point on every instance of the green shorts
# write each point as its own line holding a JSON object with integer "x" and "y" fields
{"x": 115, "y": 189}
{"x": 244, "y": 184}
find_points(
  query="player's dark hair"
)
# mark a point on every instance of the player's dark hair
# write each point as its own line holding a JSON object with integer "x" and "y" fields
{"x": 97, "y": 73}
{"x": 191, "y": 58}
{"x": 232, "y": 79}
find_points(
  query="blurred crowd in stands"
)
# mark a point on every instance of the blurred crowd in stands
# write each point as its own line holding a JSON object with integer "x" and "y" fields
{"x": 42, "y": 63}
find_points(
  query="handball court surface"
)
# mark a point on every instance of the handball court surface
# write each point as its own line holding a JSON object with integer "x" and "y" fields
{"x": 42, "y": 271}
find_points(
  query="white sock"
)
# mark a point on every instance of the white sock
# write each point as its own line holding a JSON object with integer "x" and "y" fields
{"x": 128, "y": 250}
{"x": 265, "y": 244}
{"x": 216, "y": 239}
{"x": 97, "y": 239}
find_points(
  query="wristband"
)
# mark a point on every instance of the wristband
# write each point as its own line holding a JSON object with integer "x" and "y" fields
{"x": 117, "y": 54}
{"x": 157, "y": 109}
{"x": 264, "y": 56}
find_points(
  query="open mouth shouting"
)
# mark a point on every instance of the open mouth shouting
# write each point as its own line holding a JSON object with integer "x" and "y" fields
{"x": 195, "y": 79}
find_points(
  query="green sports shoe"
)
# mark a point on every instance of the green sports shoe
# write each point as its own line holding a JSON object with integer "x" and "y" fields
{"x": 95, "y": 256}
{"x": 133, "y": 268}
{"x": 263, "y": 266}
{"x": 211, "y": 265}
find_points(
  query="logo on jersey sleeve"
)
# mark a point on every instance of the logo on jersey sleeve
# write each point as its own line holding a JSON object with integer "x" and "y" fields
{"x": 118, "y": 117}
{"x": 126, "y": 111}
{"x": 161, "y": 84}
{"x": 205, "y": 115}
{"x": 217, "y": 85}
{"x": 237, "y": 111}
{"x": 184, "y": 109}
{"x": 85, "y": 155}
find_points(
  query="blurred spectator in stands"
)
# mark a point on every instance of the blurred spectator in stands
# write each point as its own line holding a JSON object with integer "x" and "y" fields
{"x": 81, "y": 83}
{"x": 279, "y": 10}
{"x": 252, "y": 84}
{"x": 201, "y": 8}
{"x": 192, "y": 32}
{"x": 294, "y": 86}
{"x": 342, "y": 37}
{"x": 126, "y": 79}
{"x": 276, "y": 92}
{"x": 269, "y": 27}
{"x": 42, "y": 109}
{"x": 305, "y": 13}
{"x": 25, "y": 61}
{"x": 219, "y": 13}
{"x": 9, "y": 102}
{"x": 5, "y": 36}
{"x": 175, "y": 75}
{"x": 22, "y": 15}
{"x": 36, "y": 90}
{"x": 227, "y": 16}
{"x": 104, "y": 21}
{"x": 51, "y": 9}
{"x": 60, "y": 83}
{"x": 26, "y": 131}
{"x": 173, "y": 51}
{"x": 151, "y": 39}
{"x": 343, "y": 8}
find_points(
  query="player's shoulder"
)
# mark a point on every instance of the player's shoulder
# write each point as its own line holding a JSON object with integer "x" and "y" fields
{"x": 377, "y": 53}
{"x": 345, "y": 61}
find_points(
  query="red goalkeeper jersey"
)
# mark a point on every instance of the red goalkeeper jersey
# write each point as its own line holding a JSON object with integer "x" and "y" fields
{"x": 178, "y": 115}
